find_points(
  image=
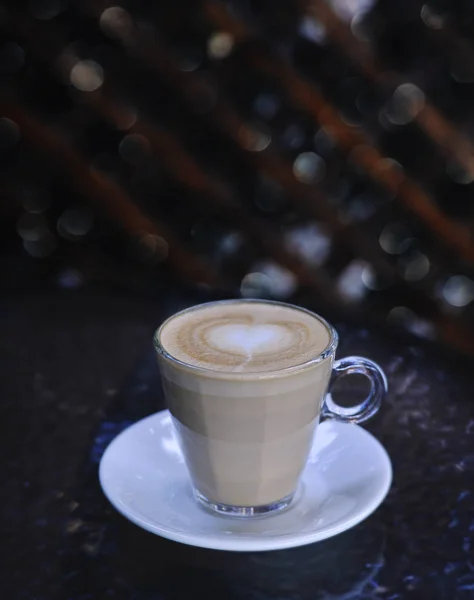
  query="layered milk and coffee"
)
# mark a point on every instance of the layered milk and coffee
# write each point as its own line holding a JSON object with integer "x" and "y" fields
{"x": 245, "y": 393}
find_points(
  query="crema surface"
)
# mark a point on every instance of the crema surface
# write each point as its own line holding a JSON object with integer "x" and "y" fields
{"x": 244, "y": 337}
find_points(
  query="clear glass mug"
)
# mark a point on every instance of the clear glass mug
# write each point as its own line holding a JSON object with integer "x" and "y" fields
{"x": 246, "y": 437}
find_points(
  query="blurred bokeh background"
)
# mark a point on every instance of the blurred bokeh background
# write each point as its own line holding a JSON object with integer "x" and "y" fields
{"x": 317, "y": 152}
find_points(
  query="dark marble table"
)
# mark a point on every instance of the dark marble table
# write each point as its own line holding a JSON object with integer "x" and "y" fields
{"x": 63, "y": 360}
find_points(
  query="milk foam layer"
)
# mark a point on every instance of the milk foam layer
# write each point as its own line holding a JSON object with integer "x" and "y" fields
{"x": 245, "y": 337}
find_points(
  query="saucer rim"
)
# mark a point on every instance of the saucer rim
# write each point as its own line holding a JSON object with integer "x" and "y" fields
{"x": 261, "y": 544}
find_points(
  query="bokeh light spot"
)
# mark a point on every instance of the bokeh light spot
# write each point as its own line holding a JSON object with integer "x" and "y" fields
{"x": 254, "y": 137}
{"x": 459, "y": 174}
{"x": 391, "y": 171}
{"x": 127, "y": 119}
{"x": 431, "y": 18}
{"x": 31, "y": 227}
{"x": 115, "y": 22}
{"x": 230, "y": 243}
{"x": 359, "y": 27}
{"x": 75, "y": 222}
{"x": 70, "y": 279}
{"x": 134, "y": 148}
{"x": 395, "y": 238}
{"x": 313, "y": 30}
{"x": 42, "y": 247}
{"x": 350, "y": 283}
{"x": 267, "y": 105}
{"x": 309, "y": 168}
{"x": 87, "y": 75}
{"x": 414, "y": 265}
{"x": 324, "y": 141}
{"x": 348, "y": 9}
{"x": 372, "y": 280}
{"x": 458, "y": 290}
{"x": 360, "y": 208}
{"x": 189, "y": 56}
{"x": 152, "y": 248}
{"x": 407, "y": 101}
{"x": 310, "y": 241}
{"x": 294, "y": 136}
{"x": 220, "y": 45}
{"x": 268, "y": 279}
{"x": 255, "y": 285}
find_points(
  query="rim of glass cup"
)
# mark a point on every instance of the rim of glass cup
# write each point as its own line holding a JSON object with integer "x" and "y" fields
{"x": 329, "y": 350}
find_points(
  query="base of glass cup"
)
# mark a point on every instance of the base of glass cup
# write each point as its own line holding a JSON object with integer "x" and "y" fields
{"x": 241, "y": 512}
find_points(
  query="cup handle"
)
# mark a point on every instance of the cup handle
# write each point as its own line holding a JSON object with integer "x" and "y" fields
{"x": 356, "y": 365}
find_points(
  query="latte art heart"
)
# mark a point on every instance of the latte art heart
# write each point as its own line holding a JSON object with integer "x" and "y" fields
{"x": 248, "y": 339}
{"x": 244, "y": 337}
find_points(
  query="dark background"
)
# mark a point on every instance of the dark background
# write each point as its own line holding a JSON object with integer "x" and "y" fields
{"x": 313, "y": 152}
{"x": 158, "y": 154}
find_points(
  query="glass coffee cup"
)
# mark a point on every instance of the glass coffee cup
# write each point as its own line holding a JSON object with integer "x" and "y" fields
{"x": 247, "y": 382}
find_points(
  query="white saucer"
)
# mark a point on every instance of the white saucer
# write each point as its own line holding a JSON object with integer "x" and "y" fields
{"x": 143, "y": 474}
